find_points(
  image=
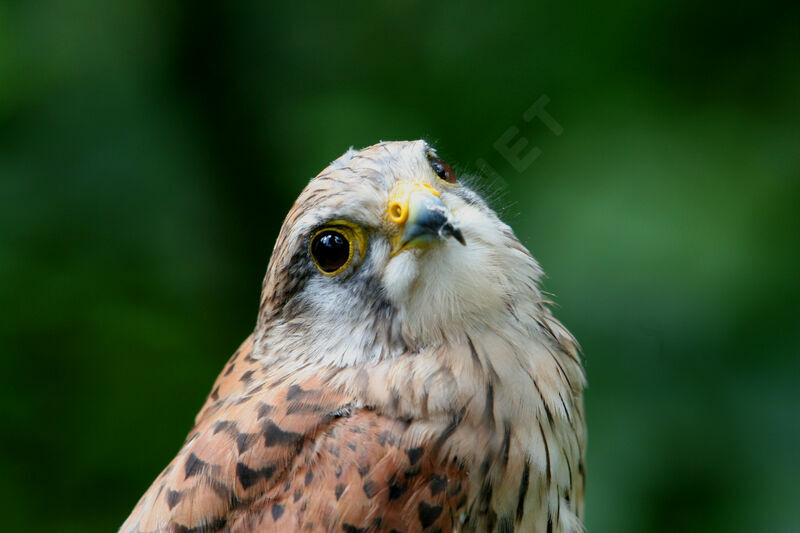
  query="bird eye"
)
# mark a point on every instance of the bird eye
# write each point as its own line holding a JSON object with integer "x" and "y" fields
{"x": 331, "y": 251}
{"x": 442, "y": 169}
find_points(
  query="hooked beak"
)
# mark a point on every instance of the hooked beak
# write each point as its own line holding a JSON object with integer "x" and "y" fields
{"x": 421, "y": 217}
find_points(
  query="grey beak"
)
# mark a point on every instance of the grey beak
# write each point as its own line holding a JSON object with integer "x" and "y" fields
{"x": 429, "y": 220}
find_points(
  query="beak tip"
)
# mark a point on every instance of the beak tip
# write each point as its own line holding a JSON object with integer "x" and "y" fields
{"x": 459, "y": 236}
{"x": 449, "y": 230}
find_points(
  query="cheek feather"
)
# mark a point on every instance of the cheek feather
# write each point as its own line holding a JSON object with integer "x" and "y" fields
{"x": 459, "y": 284}
{"x": 399, "y": 277}
{"x": 448, "y": 286}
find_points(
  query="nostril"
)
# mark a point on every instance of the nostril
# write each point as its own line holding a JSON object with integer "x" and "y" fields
{"x": 398, "y": 213}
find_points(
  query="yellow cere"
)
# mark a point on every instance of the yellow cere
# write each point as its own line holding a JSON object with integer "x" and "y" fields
{"x": 398, "y": 202}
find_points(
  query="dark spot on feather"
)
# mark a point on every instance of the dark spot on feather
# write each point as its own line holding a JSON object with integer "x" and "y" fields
{"x": 523, "y": 490}
{"x": 549, "y": 524}
{"x": 223, "y": 425}
{"x": 221, "y": 489}
{"x": 485, "y": 496}
{"x": 339, "y": 490}
{"x": 295, "y": 392}
{"x": 309, "y": 478}
{"x": 491, "y": 520}
{"x": 450, "y": 428}
{"x": 548, "y": 413}
{"x": 546, "y": 453}
{"x": 475, "y": 358}
{"x": 437, "y": 484}
{"x": 414, "y": 454}
{"x": 264, "y": 410}
{"x": 215, "y": 393}
{"x": 275, "y": 436}
{"x": 485, "y": 464}
{"x": 506, "y": 442}
{"x": 247, "y": 376}
{"x": 370, "y": 488}
{"x": 194, "y": 465}
{"x": 350, "y": 528}
{"x": 214, "y": 525}
{"x": 173, "y": 497}
{"x": 297, "y": 495}
{"x": 394, "y": 399}
{"x": 363, "y": 470}
{"x": 569, "y": 474}
{"x": 249, "y": 477}
{"x": 566, "y": 411}
{"x": 277, "y": 511}
{"x": 243, "y": 399}
{"x": 428, "y": 513}
{"x": 396, "y": 490}
{"x": 505, "y": 524}
{"x": 244, "y": 441}
{"x": 489, "y": 409}
{"x": 412, "y": 472}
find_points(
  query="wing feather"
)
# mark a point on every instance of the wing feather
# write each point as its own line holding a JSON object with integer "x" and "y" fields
{"x": 279, "y": 452}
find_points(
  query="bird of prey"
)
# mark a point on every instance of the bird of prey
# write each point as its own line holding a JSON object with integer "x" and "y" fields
{"x": 405, "y": 374}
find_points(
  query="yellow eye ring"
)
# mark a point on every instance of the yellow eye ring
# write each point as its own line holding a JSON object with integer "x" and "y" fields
{"x": 333, "y": 246}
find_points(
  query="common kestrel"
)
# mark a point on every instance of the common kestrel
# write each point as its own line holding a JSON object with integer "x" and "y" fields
{"x": 405, "y": 374}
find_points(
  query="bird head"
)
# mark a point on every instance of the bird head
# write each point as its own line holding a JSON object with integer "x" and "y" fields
{"x": 386, "y": 252}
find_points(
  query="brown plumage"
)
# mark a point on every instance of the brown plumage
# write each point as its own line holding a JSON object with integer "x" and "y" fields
{"x": 396, "y": 380}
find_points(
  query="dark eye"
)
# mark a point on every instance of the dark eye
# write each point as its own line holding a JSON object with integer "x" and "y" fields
{"x": 442, "y": 169}
{"x": 331, "y": 251}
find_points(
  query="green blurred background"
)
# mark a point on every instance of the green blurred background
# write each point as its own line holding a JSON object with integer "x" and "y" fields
{"x": 149, "y": 151}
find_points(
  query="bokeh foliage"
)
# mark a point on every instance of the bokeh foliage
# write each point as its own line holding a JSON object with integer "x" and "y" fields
{"x": 149, "y": 151}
